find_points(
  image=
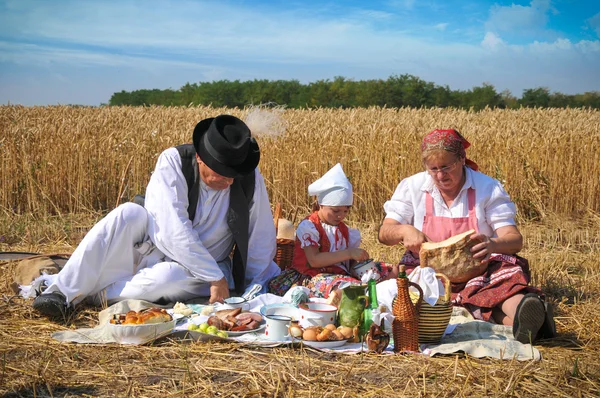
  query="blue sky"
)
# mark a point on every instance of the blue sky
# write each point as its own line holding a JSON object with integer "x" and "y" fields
{"x": 81, "y": 52}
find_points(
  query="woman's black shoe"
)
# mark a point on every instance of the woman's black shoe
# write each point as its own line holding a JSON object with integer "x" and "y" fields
{"x": 548, "y": 329}
{"x": 53, "y": 305}
{"x": 529, "y": 318}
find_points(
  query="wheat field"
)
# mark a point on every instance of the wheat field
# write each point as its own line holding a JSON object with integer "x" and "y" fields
{"x": 62, "y": 159}
{"x": 62, "y": 168}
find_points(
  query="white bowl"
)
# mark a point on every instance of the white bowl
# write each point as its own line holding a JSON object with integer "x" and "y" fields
{"x": 231, "y": 303}
{"x": 317, "y": 314}
{"x": 140, "y": 334}
{"x": 280, "y": 309}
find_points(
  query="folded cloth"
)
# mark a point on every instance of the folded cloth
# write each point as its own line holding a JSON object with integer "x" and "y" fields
{"x": 379, "y": 316}
{"x": 367, "y": 276}
{"x": 429, "y": 283}
{"x": 481, "y": 339}
{"x": 386, "y": 292}
{"x": 296, "y": 295}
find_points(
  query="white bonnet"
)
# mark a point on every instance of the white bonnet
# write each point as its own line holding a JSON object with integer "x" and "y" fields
{"x": 333, "y": 189}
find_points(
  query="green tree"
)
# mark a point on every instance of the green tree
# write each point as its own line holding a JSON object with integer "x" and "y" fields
{"x": 535, "y": 97}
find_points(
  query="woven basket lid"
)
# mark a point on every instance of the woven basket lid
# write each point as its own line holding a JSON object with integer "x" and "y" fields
{"x": 285, "y": 229}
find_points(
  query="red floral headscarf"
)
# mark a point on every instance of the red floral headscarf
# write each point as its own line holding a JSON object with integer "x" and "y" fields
{"x": 448, "y": 140}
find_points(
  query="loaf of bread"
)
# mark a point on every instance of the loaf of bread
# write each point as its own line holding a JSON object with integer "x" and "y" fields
{"x": 148, "y": 316}
{"x": 452, "y": 257}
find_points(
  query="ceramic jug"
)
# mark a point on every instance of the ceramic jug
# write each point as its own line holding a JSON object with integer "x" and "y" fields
{"x": 352, "y": 305}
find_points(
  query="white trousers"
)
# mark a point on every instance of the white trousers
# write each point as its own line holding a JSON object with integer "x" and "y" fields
{"x": 116, "y": 261}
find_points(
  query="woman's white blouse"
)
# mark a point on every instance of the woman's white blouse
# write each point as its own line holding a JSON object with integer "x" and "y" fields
{"x": 309, "y": 236}
{"x": 493, "y": 206}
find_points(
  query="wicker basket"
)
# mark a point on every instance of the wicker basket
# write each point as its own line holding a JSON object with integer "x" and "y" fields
{"x": 285, "y": 247}
{"x": 433, "y": 321}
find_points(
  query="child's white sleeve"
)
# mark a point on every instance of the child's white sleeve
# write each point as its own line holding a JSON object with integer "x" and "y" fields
{"x": 354, "y": 239}
{"x": 307, "y": 234}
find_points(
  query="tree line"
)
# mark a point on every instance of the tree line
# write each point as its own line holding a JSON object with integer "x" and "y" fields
{"x": 396, "y": 91}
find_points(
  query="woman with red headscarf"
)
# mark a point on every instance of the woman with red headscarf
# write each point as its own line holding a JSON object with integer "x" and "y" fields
{"x": 451, "y": 197}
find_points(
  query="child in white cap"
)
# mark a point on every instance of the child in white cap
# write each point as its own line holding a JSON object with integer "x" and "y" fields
{"x": 325, "y": 246}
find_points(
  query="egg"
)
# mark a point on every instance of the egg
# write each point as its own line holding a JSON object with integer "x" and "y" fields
{"x": 310, "y": 334}
{"x": 346, "y": 331}
{"x": 331, "y": 327}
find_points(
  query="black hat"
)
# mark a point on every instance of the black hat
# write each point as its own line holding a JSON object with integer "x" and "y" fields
{"x": 224, "y": 143}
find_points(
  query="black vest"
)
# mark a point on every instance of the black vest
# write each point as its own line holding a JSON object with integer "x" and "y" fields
{"x": 241, "y": 193}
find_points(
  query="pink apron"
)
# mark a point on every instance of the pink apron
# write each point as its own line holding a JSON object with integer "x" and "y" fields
{"x": 438, "y": 228}
{"x": 505, "y": 276}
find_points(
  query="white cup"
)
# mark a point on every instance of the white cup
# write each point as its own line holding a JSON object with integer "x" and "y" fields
{"x": 277, "y": 327}
{"x": 234, "y": 302}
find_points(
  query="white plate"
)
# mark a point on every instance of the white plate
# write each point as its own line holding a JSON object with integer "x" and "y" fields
{"x": 240, "y": 332}
{"x": 324, "y": 344}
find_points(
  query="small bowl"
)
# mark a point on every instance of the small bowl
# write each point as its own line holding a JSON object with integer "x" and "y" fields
{"x": 234, "y": 302}
{"x": 140, "y": 334}
{"x": 317, "y": 314}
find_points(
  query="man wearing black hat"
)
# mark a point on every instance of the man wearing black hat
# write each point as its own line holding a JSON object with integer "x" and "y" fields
{"x": 202, "y": 201}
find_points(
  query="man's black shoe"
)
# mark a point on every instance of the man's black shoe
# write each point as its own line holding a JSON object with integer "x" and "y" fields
{"x": 52, "y": 304}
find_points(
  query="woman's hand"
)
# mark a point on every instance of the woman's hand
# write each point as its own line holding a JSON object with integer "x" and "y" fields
{"x": 483, "y": 249}
{"x": 413, "y": 239}
{"x": 508, "y": 241}
{"x": 358, "y": 254}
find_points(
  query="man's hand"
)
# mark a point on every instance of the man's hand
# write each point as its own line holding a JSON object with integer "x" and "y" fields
{"x": 219, "y": 290}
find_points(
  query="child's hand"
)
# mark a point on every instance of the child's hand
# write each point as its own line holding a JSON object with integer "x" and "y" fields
{"x": 358, "y": 254}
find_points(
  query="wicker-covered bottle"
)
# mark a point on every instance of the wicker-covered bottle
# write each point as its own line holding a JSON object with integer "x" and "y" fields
{"x": 405, "y": 327}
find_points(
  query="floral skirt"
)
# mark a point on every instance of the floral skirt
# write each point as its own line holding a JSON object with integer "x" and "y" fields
{"x": 319, "y": 285}
{"x": 505, "y": 277}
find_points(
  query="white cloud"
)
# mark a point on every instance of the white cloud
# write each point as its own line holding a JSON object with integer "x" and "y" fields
{"x": 374, "y": 15}
{"x": 588, "y": 47}
{"x": 544, "y": 47}
{"x": 594, "y": 23}
{"x": 492, "y": 41}
{"x": 519, "y": 18}
{"x": 441, "y": 26}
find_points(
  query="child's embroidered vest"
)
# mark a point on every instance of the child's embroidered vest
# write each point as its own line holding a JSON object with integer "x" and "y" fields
{"x": 300, "y": 264}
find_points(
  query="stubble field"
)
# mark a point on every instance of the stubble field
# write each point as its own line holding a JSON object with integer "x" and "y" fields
{"x": 62, "y": 168}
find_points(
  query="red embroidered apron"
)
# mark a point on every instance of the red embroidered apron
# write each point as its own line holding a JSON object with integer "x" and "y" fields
{"x": 505, "y": 276}
{"x": 299, "y": 261}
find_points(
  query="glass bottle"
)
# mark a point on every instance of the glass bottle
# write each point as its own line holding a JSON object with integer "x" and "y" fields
{"x": 368, "y": 311}
{"x": 405, "y": 327}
